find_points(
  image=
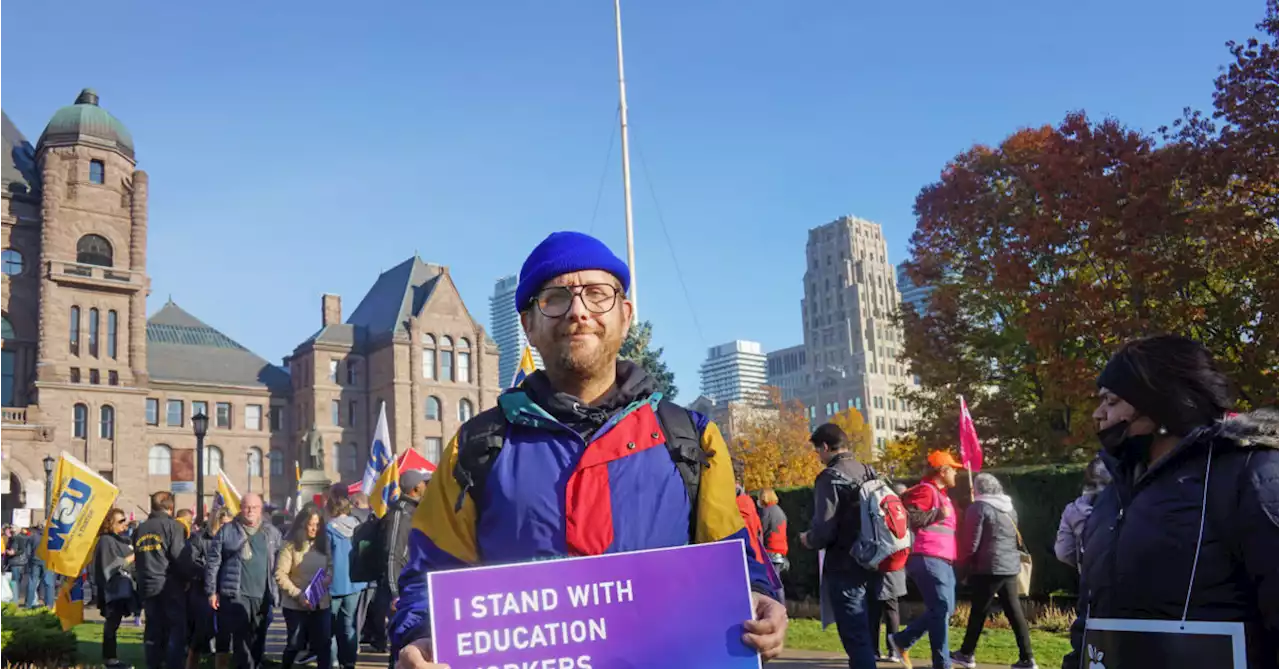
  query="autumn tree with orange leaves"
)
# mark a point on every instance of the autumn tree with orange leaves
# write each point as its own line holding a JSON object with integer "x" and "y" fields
{"x": 1050, "y": 250}
{"x": 774, "y": 447}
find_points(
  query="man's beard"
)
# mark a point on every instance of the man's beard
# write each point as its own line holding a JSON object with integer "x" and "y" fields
{"x": 586, "y": 362}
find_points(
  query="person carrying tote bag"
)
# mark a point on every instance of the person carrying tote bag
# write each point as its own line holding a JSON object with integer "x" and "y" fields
{"x": 990, "y": 551}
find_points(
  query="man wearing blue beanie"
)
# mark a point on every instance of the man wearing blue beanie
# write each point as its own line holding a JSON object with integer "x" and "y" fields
{"x": 554, "y": 502}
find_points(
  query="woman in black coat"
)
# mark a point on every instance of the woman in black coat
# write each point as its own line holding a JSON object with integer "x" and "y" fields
{"x": 988, "y": 552}
{"x": 1187, "y": 530}
{"x": 113, "y": 580}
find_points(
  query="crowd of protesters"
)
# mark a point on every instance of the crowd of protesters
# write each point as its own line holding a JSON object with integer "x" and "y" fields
{"x": 213, "y": 589}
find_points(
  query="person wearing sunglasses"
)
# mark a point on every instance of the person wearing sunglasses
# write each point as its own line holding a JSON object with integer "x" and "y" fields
{"x": 572, "y": 300}
{"x": 113, "y": 577}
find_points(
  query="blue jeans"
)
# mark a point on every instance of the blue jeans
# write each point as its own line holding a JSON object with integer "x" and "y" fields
{"x": 345, "y": 608}
{"x": 853, "y": 610}
{"x": 39, "y": 578}
{"x": 936, "y": 581}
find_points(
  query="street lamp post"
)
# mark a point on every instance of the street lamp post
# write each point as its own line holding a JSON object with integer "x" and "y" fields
{"x": 49, "y": 462}
{"x": 249, "y": 470}
{"x": 200, "y": 424}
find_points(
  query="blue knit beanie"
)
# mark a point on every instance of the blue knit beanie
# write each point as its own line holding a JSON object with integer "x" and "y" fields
{"x": 565, "y": 252}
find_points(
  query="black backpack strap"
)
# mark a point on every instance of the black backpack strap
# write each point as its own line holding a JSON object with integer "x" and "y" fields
{"x": 479, "y": 441}
{"x": 685, "y": 448}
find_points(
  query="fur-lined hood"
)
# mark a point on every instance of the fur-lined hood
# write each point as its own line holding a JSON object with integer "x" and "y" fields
{"x": 1256, "y": 429}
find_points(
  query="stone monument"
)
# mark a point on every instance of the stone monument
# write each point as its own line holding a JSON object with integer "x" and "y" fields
{"x": 313, "y": 480}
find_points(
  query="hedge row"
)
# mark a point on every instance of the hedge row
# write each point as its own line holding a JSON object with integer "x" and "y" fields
{"x": 1039, "y": 495}
{"x": 34, "y": 638}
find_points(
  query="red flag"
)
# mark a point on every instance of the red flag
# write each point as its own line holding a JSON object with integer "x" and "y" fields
{"x": 970, "y": 449}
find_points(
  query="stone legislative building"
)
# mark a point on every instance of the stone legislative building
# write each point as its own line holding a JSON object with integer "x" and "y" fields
{"x": 85, "y": 370}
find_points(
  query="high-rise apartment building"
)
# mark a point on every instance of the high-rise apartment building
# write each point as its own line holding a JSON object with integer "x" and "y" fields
{"x": 504, "y": 323}
{"x": 914, "y": 296}
{"x": 787, "y": 371}
{"x": 851, "y": 341}
{"x": 734, "y": 372}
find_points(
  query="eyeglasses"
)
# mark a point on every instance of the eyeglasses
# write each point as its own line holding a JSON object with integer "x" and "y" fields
{"x": 556, "y": 301}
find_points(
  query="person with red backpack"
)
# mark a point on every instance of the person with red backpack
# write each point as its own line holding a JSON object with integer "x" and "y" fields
{"x": 933, "y": 520}
{"x": 850, "y": 586}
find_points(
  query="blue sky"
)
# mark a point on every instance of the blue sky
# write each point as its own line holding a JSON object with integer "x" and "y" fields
{"x": 303, "y": 149}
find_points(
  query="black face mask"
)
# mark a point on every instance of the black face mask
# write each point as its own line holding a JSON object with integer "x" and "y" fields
{"x": 1117, "y": 441}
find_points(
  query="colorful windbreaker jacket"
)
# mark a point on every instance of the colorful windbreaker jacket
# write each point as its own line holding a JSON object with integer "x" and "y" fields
{"x": 567, "y": 482}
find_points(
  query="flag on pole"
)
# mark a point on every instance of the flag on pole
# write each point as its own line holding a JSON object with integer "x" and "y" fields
{"x": 379, "y": 454}
{"x": 227, "y": 495}
{"x": 69, "y": 606}
{"x": 526, "y": 367}
{"x": 970, "y": 448}
{"x": 386, "y": 489}
{"x": 81, "y": 500}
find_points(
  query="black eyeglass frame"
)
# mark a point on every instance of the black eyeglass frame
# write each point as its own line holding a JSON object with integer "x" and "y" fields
{"x": 578, "y": 293}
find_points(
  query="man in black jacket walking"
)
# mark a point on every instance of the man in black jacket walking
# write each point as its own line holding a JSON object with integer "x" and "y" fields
{"x": 158, "y": 544}
{"x": 852, "y": 590}
{"x": 395, "y": 539}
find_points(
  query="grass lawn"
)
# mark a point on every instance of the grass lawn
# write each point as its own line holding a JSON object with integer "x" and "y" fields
{"x": 996, "y": 647}
{"x": 128, "y": 644}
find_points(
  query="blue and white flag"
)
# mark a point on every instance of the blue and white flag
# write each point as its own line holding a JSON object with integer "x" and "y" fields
{"x": 380, "y": 456}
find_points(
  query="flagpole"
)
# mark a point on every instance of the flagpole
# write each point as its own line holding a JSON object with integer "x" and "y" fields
{"x": 626, "y": 164}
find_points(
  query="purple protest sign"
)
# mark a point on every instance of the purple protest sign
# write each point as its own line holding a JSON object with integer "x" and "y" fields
{"x": 668, "y": 607}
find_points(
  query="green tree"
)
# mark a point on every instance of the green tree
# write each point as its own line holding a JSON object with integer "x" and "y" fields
{"x": 637, "y": 347}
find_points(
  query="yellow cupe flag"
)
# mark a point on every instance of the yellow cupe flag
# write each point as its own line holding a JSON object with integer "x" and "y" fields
{"x": 69, "y": 607}
{"x": 386, "y": 490}
{"x": 227, "y": 495}
{"x": 81, "y": 500}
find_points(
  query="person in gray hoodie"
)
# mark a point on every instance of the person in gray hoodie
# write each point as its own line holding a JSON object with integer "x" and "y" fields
{"x": 988, "y": 550}
{"x": 344, "y": 593}
{"x": 1069, "y": 543}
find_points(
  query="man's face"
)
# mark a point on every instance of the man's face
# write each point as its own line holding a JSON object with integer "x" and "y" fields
{"x": 824, "y": 453}
{"x": 948, "y": 475}
{"x": 419, "y": 490}
{"x": 584, "y": 340}
{"x": 251, "y": 509}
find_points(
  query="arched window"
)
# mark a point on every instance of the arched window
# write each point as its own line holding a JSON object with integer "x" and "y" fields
{"x": 107, "y": 422}
{"x": 464, "y": 361}
{"x": 277, "y": 463}
{"x": 159, "y": 460}
{"x": 428, "y": 357}
{"x": 464, "y": 410}
{"x": 93, "y": 250}
{"x": 446, "y": 341}
{"x": 433, "y": 408}
{"x": 93, "y": 332}
{"x": 111, "y": 333}
{"x": 350, "y": 458}
{"x": 75, "y": 330}
{"x": 337, "y": 458}
{"x": 97, "y": 172}
{"x": 255, "y": 461}
{"x": 11, "y": 262}
{"x": 212, "y": 460}
{"x": 80, "y": 421}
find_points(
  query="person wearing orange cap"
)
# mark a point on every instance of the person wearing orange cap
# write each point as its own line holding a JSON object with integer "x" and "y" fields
{"x": 933, "y": 550}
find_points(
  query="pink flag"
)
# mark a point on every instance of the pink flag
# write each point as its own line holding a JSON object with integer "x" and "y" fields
{"x": 970, "y": 449}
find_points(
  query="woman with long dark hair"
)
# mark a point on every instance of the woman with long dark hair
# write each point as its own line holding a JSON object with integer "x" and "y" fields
{"x": 306, "y": 614}
{"x": 113, "y": 580}
{"x": 1187, "y": 529}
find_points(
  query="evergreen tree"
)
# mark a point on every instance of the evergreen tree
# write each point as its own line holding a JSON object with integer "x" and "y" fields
{"x": 636, "y": 348}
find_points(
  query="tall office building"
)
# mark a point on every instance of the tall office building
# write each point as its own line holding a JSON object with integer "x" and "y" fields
{"x": 850, "y": 338}
{"x": 787, "y": 371}
{"x": 504, "y": 324}
{"x": 914, "y": 296}
{"x": 734, "y": 372}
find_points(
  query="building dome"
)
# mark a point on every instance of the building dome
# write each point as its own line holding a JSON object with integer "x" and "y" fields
{"x": 86, "y": 123}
